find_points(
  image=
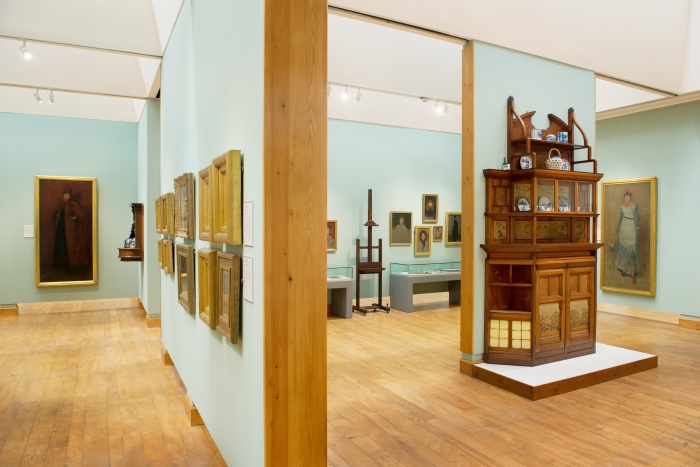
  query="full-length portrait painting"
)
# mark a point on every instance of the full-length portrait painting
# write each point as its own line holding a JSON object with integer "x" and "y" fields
{"x": 629, "y": 233}
{"x": 65, "y": 230}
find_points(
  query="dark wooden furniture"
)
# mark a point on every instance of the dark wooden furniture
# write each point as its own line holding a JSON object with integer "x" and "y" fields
{"x": 541, "y": 247}
{"x": 136, "y": 253}
{"x": 369, "y": 266}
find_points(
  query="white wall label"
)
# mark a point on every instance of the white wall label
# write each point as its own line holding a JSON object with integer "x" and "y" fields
{"x": 248, "y": 278}
{"x": 248, "y": 223}
{"x": 28, "y": 231}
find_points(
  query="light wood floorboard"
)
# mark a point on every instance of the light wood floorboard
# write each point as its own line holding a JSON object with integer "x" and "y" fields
{"x": 89, "y": 388}
{"x": 396, "y": 397}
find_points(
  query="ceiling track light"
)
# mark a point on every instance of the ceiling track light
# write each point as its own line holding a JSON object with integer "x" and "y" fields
{"x": 345, "y": 94}
{"x": 37, "y": 97}
{"x": 51, "y": 97}
{"x": 25, "y": 52}
{"x": 329, "y": 90}
{"x": 359, "y": 95}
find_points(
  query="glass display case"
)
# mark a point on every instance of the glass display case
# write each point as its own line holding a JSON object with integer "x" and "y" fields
{"x": 339, "y": 272}
{"x": 425, "y": 268}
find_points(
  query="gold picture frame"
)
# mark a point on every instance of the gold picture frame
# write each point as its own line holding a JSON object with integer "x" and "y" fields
{"x": 628, "y": 232}
{"x": 184, "y": 258}
{"x": 167, "y": 203}
{"x": 332, "y": 235}
{"x": 206, "y": 271}
{"x": 438, "y": 231}
{"x": 430, "y": 208}
{"x": 159, "y": 215}
{"x": 422, "y": 246}
{"x": 204, "y": 179}
{"x": 168, "y": 256}
{"x": 228, "y": 277}
{"x": 161, "y": 264}
{"x": 400, "y": 225}
{"x": 65, "y": 237}
{"x": 453, "y": 228}
{"x": 184, "y": 205}
{"x": 226, "y": 184}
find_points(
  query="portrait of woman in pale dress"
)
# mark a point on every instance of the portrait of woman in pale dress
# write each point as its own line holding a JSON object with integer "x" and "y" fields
{"x": 626, "y": 259}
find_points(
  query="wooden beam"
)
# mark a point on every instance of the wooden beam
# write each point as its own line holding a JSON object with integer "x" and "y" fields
{"x": 466, "y": 330}
{"x": 294, "y": 216}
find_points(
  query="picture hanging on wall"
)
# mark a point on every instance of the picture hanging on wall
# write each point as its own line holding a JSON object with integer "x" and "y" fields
{"x": 629, "y": 233}
{"x": 184, "y": 205}
{"x": 422, "y": 241}
{"x": 184, "y": 257}
{"x": 430, "y": 209}
{"x": 453, "y": 225}
{"x": 65, "y": 219}
{"x": 331, "y": 235}
{"x": 437, "y": 233}
{"x": 401, "y": 223}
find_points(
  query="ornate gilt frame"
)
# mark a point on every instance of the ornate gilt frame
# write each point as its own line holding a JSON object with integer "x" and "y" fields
{"x": 206, "y": 210}
{"x": 228, "y": 278}
{"x": 206, "y": 271}
{"x": 226, "y": 198}
{"x": 167, "y": 203}
{"x": 184, "y": 206}
{"x": 186, "y": 288}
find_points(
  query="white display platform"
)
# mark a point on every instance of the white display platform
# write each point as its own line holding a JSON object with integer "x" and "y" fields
{"x": 538, "y": 382}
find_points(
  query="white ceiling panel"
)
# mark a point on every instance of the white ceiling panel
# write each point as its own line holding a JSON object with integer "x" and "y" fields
{"x": 611, "y": 95}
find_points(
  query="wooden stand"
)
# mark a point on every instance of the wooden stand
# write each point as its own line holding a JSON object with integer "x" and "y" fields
{"x": 369, "y": 266}
{"x": 136, "y": 253}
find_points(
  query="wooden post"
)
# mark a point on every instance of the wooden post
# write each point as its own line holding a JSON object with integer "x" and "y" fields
{"x": 294, "y": 246}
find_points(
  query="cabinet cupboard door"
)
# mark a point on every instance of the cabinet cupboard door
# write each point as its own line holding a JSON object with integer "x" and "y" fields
{"x": 549, "y": 311}
{"x": 581, "y": 315}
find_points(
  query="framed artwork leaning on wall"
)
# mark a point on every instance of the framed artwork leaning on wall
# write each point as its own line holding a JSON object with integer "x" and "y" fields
{"x": 628, "y": 259}
{"x": 65, "y": 220}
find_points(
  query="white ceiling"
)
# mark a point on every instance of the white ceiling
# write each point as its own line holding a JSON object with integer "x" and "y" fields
{"x": 101, "y": 58}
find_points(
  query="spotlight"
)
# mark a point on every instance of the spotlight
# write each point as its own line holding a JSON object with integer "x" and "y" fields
{"x": 444, "y": 109}
{"x": 345, "y": 94}
{"x": 51, "y": 97}
{"x": 37, "y": 97}
{"x": 25, "y": 52}
{"x": 359, "y": 95}
{"x": 437, "y": 107}
{"x": 329, "y": 90}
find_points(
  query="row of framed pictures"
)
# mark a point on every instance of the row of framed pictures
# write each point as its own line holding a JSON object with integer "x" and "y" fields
{"x": 219, "y": 284}
{"x": 401, "y": 222}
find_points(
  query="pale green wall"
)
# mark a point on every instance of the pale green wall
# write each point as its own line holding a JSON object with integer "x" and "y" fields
{"x": 37, "y": 145}
{"x": 149, "y": 190}
{"x": 211, "y": 101}
{"x": 665, "y": 144}
{"x": 399, "y": 165}
{"x": 536, "y": 84}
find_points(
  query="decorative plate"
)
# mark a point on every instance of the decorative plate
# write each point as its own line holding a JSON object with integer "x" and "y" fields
{"x": 523, "y": 204}
{"x": 544, "y": 204}
{"x": 525, "y": 163}
{"x": 565, "y": 165}
{"x": 564, "y": 204}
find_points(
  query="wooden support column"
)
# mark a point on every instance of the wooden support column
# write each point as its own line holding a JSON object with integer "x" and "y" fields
{"x": 466, "y": 331}
{"x": 294, "y": 223}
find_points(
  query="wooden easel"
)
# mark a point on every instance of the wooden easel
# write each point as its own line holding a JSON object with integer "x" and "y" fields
{"x": 369, "y": 266}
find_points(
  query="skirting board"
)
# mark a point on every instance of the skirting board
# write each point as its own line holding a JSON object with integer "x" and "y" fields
{"x": 539, "y": 382}
{"x": 9, "y": 310}
{"x": 192, "y": 412}
{"x": 689, "y": 323}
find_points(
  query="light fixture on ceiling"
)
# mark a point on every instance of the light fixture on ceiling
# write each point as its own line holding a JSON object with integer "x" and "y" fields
{"x": 329, "y": 90}
{"x": 345, "y": 94}
{"x": 440, "y": 109}
{"x": 51, "y": 97}
{"x": 359, "y": 95}
{"x": 37, "y": 97}
{"x": 25, "y": 52}
{"x": 444, "y": 109}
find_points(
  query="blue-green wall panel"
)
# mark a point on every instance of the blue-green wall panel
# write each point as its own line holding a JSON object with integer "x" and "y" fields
{"x": 37, "y": 145}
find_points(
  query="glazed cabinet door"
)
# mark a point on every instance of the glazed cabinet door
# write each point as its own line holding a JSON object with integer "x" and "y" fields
{"x": 581, "y": 308}
{"x": 549, "y": 312}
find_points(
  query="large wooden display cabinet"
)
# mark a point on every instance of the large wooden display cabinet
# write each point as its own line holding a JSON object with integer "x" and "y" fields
{"x": 541, "y": 261}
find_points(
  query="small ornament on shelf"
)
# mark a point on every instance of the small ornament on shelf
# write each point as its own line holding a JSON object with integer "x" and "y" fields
{"x": 506, "y": 165}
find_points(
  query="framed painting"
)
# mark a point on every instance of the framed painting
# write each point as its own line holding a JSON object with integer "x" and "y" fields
{"x": 331, "y": 235}
{"x": 184, "y": 258}
{"x": 159, "y": 215}
{"x": 422, "y": 246}
{"x": 184, "y": 206}
{"x": 65, "y": 220}
{"x": 205, "y": 203}
{"x": 401, "y": 223}
{"x": 628, "y": 259}
{"x": 226, "y": 187}
{"x": 228, "y": 279}
{"x": 430, "y": 209}
{"x": 167, "y": 206}
{"x": 161, "y": 249}
{"x": 206, "y": 270}
{"x": 168, "y": 256}
{"x": 453, "y": 226}
{"x": 437, "y": 233}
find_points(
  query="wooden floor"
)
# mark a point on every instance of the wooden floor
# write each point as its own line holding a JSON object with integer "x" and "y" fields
{"x": 89, "y": 388}
{"x": 396, "y": 397}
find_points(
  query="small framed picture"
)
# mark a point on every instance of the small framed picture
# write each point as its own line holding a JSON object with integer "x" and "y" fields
{"x": 437, "y": 233}
{"x": 453, "y": 225}
{"x": 185, "y": 277}
{"x": 401, "y": 223}
{"x": 430, "y": 209}
{"x": 331, "y": 235}
{"x": 422, "y": 241}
